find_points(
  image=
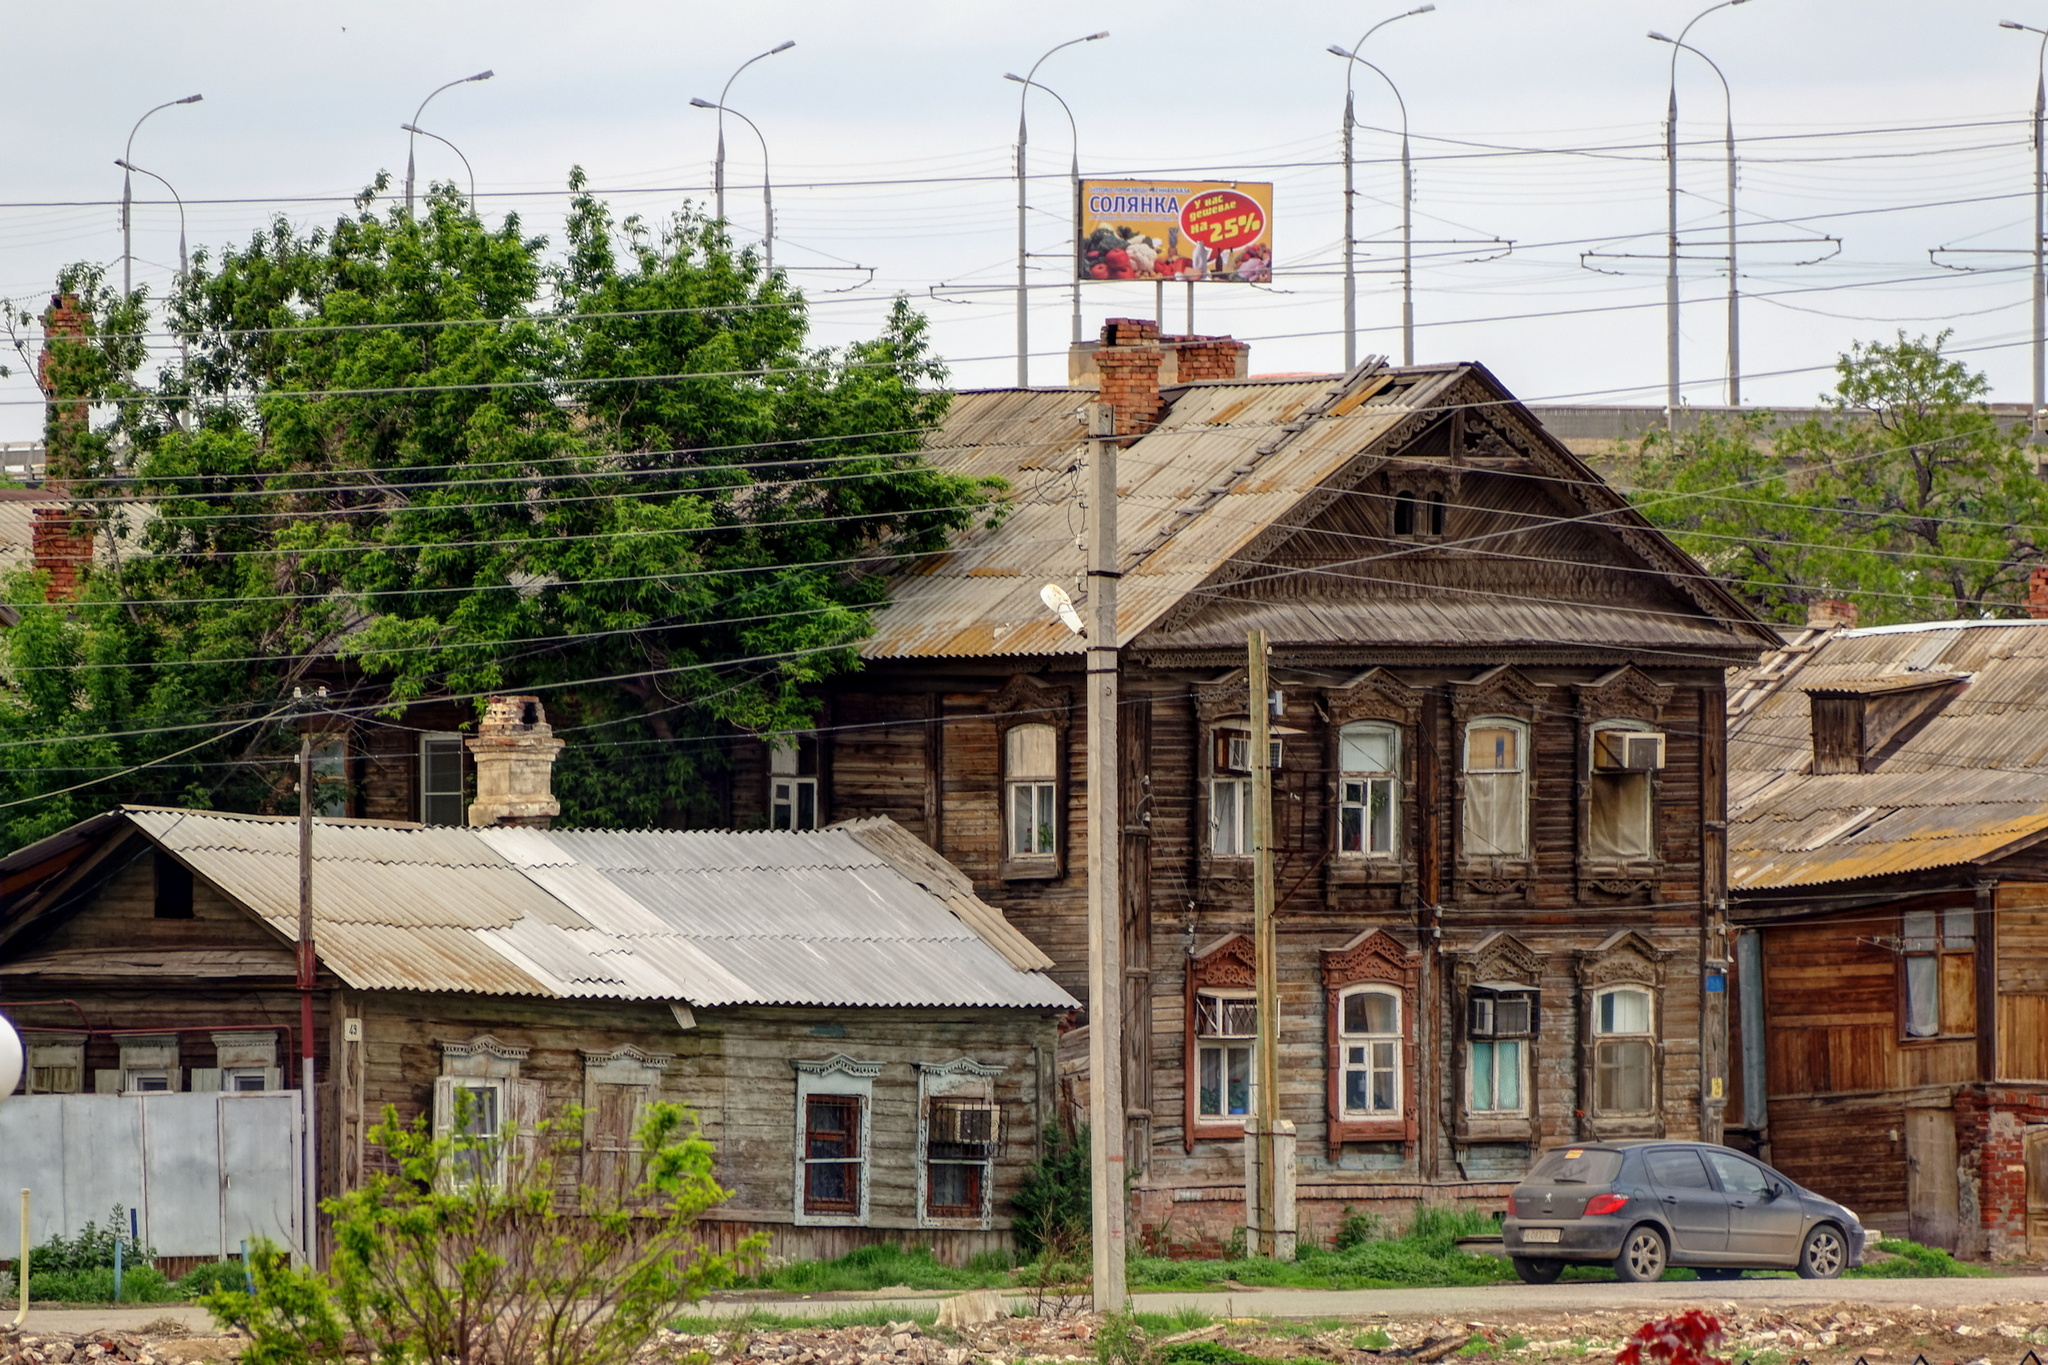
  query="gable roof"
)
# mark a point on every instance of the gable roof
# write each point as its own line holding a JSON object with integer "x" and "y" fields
{"x": 1233, "y": 469}
{"x": 1969, "y": 786}
{"x": 823, "y": 917}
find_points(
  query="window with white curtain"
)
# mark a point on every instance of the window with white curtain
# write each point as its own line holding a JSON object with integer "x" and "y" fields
{"x": 1368, "y": 788}
{"x": 1500, "y": 1021}
{"x": 1369, "y": 1037}
{"x": 1031, "y": 775}
{"x": 1226, "y": 1025}
{"x": 1624, "y": 1050}
{"x": 1496, "y": 814}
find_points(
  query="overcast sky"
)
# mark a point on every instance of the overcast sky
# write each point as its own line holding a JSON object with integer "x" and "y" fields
{"x": 1844, "y": 107}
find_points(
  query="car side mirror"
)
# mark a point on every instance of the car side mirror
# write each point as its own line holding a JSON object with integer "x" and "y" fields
{"x": 1773, "y": 1191}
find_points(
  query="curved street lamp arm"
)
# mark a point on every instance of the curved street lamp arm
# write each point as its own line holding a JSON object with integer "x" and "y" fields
{"x": 128, "y": 165}
{"x": 1390, "y": 86}
{"x": 1359, "y": 46}
{"x": 1679, "y": 41}
{"x": 414, "y": 128}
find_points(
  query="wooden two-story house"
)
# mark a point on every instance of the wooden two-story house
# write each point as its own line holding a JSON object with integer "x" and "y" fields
{"x": 1500, "y": 793}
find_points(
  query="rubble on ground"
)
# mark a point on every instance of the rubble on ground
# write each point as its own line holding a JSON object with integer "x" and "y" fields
{"x": 1758, "y": 1331}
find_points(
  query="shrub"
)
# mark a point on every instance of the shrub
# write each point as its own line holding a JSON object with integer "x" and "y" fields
{"x": 532, "y": 1269}
{"x": 211, "y": 1278}
{"x": 1356, "y": 1229}
{"x": 1053, "y": 1205}
{"x": 139, "y": 1284}
{"x": 91, "y": 1249}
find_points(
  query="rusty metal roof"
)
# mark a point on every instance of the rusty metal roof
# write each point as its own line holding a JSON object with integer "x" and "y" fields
{"x": 1970, "y": 784}
{"x": 825, "y": 917}
{"x": 1229, "y": 464}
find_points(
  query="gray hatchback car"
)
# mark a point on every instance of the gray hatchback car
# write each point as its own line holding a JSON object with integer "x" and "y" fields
{"x": 1644, "y": 1206}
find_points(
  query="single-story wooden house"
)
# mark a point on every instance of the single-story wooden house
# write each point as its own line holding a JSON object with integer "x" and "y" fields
{"x": 869, "y": 1045}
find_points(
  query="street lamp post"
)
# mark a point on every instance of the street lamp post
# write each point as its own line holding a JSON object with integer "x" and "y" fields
{"x": 1023, "y": 142}
{"x": 184, "y": 260}
{"x": 1734, "y": 281}
{"x": 1352, "y": 59}
{"x": 1671, "y": 398}
{"x": 128, "y": 195}
{"x": 718, "y": 162}
{"x": 412, "y": 130}
{"x": 767, "y": 182}
{"x": 2040, "y": 230}
{"x": 1073, "y": 174}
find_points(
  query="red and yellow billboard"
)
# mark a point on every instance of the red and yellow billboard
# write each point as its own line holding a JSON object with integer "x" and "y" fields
{"x": 1176, "y": 230}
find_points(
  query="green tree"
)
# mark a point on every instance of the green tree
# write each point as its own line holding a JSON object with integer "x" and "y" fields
{"x": 448, "y": 461}
{"x": 1906, "y": 498}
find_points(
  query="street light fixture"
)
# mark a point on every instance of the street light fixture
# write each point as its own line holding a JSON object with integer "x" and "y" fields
{"x": 718, "y": 162}
{"x": 413, "y": 130}
{"x": 184, "y": 261}
{"x": 1074, "y": 174}
{"x": 1734, "y": 282}
{"x": 2040, "y": 229}
{"x": 1352, "y": 59}
{"x": 1671, "y": 397}
{"x": 128, "y": 196}
{"x": 767, "y": 184}
{"x": 1023, "y": 143}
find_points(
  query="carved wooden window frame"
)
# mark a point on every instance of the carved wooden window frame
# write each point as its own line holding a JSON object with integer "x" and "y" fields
{"x": 1626, "y": 698}
{"x": 1375, "y": 957}
{"x": 965, "y": 1080}
{"x": 1024, "y": 700}
{"x": 1432, "y": 490}
{"x": 1376, "y": 695}
{"x": 1223, "y": 704}
{"x": 1625, "y": 959}
{"x": 1500, "y": 960}
{"x": 1227, "y": 965}
{"x": 840, "y": 1078}
{"x": 1506, "y": 693}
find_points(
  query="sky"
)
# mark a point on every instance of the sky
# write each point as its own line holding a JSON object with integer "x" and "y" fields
{"x": 1893, "y": 127}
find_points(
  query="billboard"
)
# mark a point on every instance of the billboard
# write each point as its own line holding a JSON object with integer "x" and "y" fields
{"x": 1176, "y": 230}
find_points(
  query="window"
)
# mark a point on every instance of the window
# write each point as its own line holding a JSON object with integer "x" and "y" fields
{"x": 1624, "y": 1051}
{"x": 1496, "y": 823}
{"x": 245, "y": 1079}
{"x": 1230, "y": 791}
{"x": 961, "y": 1133}
{"x": 471, "y": 1113}
{"x": 441, "y": 787}
{"x": 793, "y": 784}
{"x": 1938, "y": 950}
{"x": 834, "y": 1158}
{"x": 1621, "y": 820}
{"x": 330, "y": 775}
{"x": 55, "y": 1068}
{"x": 1368, "y": 788}
{"x": 1740, "y": 1177}
{"x": 1435, "y": 506}
{"x": 1677, "y": 1168}
{"x": 1369, "y": 1032}
{"x": 1423, "y": 516}
{"x": 173, "y": 888}
{"x": 1499, "y": 1022}
{"x": 1404, "y": 513}
{"x": 1031, "y": 770}
{"x": 1225, "y": 1026}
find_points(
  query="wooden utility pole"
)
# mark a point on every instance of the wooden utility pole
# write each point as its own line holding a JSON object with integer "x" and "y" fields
{"x": 308, "y": 966}
{"x": 1264, "y": 1222}
{"x": 1106, "y": 1125}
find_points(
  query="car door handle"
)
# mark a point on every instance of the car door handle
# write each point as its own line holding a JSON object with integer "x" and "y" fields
{"x": 1671, "y": 1199}
{"x": 1738, "y": 1203}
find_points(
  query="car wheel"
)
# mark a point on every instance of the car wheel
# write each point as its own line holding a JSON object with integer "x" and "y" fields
{"x": 1643, "y": 1256}
{"x": 1824, "y": 1254}
{"x": 1718, "y": 1272}
{"x": 1534, "y": 1271}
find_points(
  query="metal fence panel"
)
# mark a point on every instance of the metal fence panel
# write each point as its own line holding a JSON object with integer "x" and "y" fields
{"x": 101, "y": 1161}
{"x": 181, "y": 1174}
{"x": 259, "y": 1144}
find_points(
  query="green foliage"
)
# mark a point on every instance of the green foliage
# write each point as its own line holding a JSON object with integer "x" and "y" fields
{"x": 91, "y": 1249}
{"x": 1912, "y": 1261}
{"x": 760, "y": 1320}
{"x": 465, "y": 462}
{"x": 139, "y": 1284}
{"x": 1121, "y": 1340}
{"x": 1906, "y": 499}
{"x": 879, "y": 1266}
{"x": 1356, "y": 1229}
{"x": 1425, "y": 1255}
{"x": 1205, "y": 1353}
{"x": 1053, "y": 1202}
{"x": 537, "y": 1268}
{"x": 210, "y": 1278}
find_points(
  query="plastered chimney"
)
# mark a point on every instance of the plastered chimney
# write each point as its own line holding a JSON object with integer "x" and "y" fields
{"x": 515, "y": 750}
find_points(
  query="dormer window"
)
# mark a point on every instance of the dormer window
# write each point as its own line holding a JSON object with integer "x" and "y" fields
{"x": 1856, "y": 722}
{"x": 1418, "y": 514}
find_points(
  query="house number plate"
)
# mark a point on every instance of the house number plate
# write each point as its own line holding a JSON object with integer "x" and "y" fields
{"x": 1542, "y": 1234}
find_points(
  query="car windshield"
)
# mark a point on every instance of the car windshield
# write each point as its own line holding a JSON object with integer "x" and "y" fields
{"x": 1578, "y": 1166}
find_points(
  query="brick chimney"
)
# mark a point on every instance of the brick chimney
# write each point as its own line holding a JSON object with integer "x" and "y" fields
{"x": 60, "y": 540}
{"x": 1128, "y": 360}
{"x": 1831, "y": 611}
{"x": 2037, "y": 592}
{"x": 515, "y": 750}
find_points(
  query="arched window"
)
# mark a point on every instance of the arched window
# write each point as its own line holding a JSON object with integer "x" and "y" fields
{"x": 1368, "y": 788}
{"x": 1496, "y": 812}
{"x": 1369, "y": 1034}
{"x": 1621, "y": 822}
{"x": 1624, "y": 1050}
{"x": 1031, "y": 774}
{"x": 1436, "y": 514}
{"x": 1404, "y": 513}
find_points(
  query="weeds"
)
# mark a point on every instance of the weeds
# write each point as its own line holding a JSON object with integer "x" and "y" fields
{"x": 1912, "y": 1261}
{"x": 757, "y": 1320}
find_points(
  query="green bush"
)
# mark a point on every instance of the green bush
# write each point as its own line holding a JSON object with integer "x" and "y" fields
{"x": 1053, "y": 1202}
{"x": 1356, "y": 1229}
{"x": 1912, "y": 1261}
{"x": 91, "y": 1249}
{"x": 139, "y": 1284}
{"x": 1206, "y": 1353}
{"x": 212, "y": 1278}
{"x": 881, "y": 1266}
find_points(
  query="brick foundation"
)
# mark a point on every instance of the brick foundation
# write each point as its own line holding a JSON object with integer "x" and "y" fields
{"x": 1993, "y": 1124}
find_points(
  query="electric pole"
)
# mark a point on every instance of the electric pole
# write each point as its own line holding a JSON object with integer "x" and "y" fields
{"x": 1106, "y": 1124}
{"x": 308, "y": 965}
{"x": 1265, "y": 1221}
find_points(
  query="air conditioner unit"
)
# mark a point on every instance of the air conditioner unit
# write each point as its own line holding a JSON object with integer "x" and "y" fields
{"x": 1627, "y": 751}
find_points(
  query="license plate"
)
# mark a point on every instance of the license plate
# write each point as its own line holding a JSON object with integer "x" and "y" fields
{"x": 1542, "y": 1234}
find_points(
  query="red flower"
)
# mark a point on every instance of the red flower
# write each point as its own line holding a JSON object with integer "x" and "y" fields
{"x": 1681, "y": 1340}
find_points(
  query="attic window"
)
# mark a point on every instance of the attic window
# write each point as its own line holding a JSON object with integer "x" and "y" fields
{"x": 173, "y": 888}
{"x": 1418, "y": 515}
{"x": 1857, "y": 722}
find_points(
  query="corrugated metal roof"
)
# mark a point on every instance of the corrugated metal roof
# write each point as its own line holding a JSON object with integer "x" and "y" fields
{"x": 1228, "y": 464}
{"x": 1971, "y": 782}
{"x": 711, "y": 918}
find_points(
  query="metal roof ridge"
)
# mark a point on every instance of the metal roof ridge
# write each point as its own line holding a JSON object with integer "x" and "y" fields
{"x": 1909, "y": 627}
{"x": 191, "y": 814}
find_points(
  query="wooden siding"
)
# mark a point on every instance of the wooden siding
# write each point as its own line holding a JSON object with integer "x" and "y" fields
{"x": 2022, "y": 971}
{"x": 1852, "y": 1151}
